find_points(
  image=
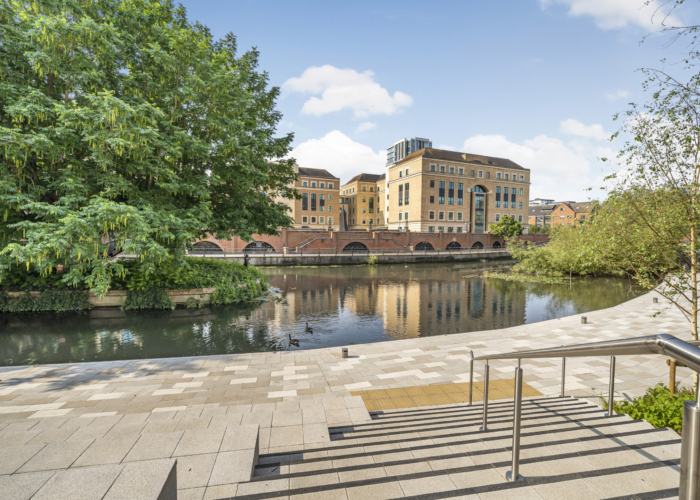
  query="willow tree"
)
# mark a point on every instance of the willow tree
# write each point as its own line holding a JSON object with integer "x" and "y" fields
{"x": 122, "y": 122}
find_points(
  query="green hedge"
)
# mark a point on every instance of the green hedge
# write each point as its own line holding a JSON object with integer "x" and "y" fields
{"x": 234, "y": 283}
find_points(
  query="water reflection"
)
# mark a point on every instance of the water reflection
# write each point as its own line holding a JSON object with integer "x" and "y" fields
{"x": 342, "y": 304}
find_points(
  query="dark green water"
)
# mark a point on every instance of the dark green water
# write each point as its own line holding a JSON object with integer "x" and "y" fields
{"x": 341, "y": 304}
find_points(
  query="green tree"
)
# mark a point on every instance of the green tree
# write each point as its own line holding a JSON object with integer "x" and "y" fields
{"x": 508, "y": 227}
{"x": 121, "y": 121}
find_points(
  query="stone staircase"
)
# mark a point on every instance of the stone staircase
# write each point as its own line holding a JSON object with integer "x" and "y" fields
{"x": 569, "y": 449}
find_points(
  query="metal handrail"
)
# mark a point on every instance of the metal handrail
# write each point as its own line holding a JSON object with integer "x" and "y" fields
{"x": 686, "y": 352}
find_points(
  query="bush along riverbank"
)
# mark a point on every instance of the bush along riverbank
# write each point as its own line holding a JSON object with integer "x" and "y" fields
{"x": 229, "y": 283}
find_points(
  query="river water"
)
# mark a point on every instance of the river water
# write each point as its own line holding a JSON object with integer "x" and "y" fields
{"x": 341, "y": 304}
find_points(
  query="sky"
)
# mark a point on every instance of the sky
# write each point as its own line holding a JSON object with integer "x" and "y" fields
{"x": 534, "y": 81}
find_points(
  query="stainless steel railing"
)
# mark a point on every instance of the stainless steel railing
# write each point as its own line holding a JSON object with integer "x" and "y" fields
{"x": 686, "y": 352}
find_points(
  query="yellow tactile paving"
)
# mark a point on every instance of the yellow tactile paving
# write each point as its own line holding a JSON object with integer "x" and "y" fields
{"x": 439, "y": 394}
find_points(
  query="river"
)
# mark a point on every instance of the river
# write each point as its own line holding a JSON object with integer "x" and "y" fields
{"x": 340, "y": 304}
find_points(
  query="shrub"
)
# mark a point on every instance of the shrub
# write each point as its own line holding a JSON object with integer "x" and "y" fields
{"x": 372, "y": 260}
{"x": 47, "y": 300}
{"x": 658, "y": 406}
{"x": 151, "y": 298}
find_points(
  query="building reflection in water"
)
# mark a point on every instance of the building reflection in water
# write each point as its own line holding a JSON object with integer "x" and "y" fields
{"x": 341, "y": 304}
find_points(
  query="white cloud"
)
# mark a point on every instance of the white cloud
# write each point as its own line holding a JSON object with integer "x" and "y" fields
{"x": 557, "y": 170}
{"x": 365, "y": 126}
{"x": 446, "y": 147}
{"x": 340, "y": 155}
{"x": 613, "y": 14}
{"x": 574, "y": 127}
{"x": 615, "y": 96}
{"x": 345, "y": 89}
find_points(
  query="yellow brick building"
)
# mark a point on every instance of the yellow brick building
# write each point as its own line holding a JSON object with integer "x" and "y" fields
{"x": 364, "y": 195}
{"x": 319, "y": 207}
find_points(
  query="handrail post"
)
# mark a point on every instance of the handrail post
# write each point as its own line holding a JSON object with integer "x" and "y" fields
{"x": 690, "y": 452}
{"x": 513, "y": 474}
{"x": 484, "y": 426}
{"x": 563, "y": 376}
{"x": 611, "y": 388}
{"x": 471, "y": 376}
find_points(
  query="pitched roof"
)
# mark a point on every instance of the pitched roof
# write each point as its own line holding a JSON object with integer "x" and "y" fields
{"x": 441, "y": 154}
{"x": 578, "y": 208}
{"x": 538, "y": 210}
{"x": 366, "y": 178}
{"x": 317, "y": 172}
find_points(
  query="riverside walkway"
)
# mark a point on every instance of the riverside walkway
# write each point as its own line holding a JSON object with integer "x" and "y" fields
{"x": 387, "y": 422}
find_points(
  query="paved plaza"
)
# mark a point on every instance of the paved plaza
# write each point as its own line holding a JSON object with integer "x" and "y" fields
{"x": 268, "y": 425}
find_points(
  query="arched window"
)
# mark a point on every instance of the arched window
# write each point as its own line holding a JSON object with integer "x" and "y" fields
{"x": 424, "y": 245}
{"x": 206, "y": 247}
{"x": 453, "y": 245}
{"x": 496, "y": 245}
{"x": 258, "y": 246}
{"x": 477, "y": 245}
{"x": 355, "y": 246}
{"x": 478, "y": 189}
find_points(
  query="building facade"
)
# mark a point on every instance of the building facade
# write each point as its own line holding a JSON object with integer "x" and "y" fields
{"x": 405, "y": 147}
{"x": 569, "y": 213}
{"x": 319, "y": 206}
{"x": 540, "y": 215}
{"x": 433, "y": 190}
{"x": 363, "y": 201}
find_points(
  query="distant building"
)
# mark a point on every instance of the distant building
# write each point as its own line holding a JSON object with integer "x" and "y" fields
{"x": 319, "y": 206}
{"x": 541, "y": 201}
{"x": 363, "y": 200}
{"x": 405, "y": 147}
{"x": 570, "y": 213}
{"x": 540, "y": 215}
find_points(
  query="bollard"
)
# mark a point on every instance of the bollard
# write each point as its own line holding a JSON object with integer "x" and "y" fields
{"x": 471, "y": 376}
{"x": 690, "y": 452}
{"x": 345, "y": 352}
{"x": 611, "y": 388}
{"x": 656, "y": 300}
{"x": 563, "y": 376}
{"x": 513, "y": 474}
{"x": 484, "y": 425}
{"x": 584, "y": 320}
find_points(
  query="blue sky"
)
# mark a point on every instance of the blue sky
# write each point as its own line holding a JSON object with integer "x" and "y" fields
{"x": 536, "y": 81}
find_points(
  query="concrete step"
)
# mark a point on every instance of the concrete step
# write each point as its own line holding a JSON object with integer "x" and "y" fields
{"x": 569, "y": 448}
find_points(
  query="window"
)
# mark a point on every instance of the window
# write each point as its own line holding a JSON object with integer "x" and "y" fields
{"x": 450, "y": 216}
{"x": 330, "y": 220}
{"x": 323, "y": 185}
{"x": 313, "y": 184}
{"x": 512, "y": 204}
{"x": 305, "y": 219}
{"x": 488, "y": 175}
{"x": 406, "y": 173}
{"x": 451, "y": 193}
{"x": 498, "y": 175}
{"x": 330, "y": 197}
{"x": 498, "y": 217}
{"x": 583, "y": 217}
{"x": 472, "y": 173}
{"x": 304, "y": 184}
{"x": 400, "y": 216}
{"x": 452, "y": 170}
{"x": 305, "y": 201}
{"x": 313, "y": 202}
{"x": 364, "y": 210}
{"x": 364, "y": 221}
{"x": 441, "y": 229}
{"x": 405, "y": 192}
{"x": 405, "y": 216}
{"x": 459, "y": 229}
{"x": 313, "y": 220}
{"x": 441, "y": 193}
{"x": 432, "y": 168}
{"x": 459, "y": 215}
{"x": 364, "y": 188}
{"x": 400, "y": 173}
{"x": 431, "y": 229}
{"x": 400, "y": 194}
{"x": 506, "y": 176}
{"x": 442, "y": 169}
{"x": 330, "y": 185}
{"x": 322, "y": 220}
{"x": 522, "y": 178}
{"x": 568, "y": 217}
{"x": 521, "y": 191}
{"x": 322, "y": 203}
{"x": 432, "y": 199}
{"x": 460, "y": 193}
{"x": 441, "y": 215}
{"x": 431, "y": 215}
{"x": 561, "y": 209}
{"x": 330, "y": 208}
{"x": 481, "y": 173}
{"x": 371, "y": 189}
{"x": 432, "y": 183}
{"x": 520, "y": 204}
{"x": 520, "y": 218}
{"x": 461, "y": 171}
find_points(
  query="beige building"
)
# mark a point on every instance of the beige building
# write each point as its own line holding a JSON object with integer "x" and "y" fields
{"x": 364, "y": 201}
{"x": 319, "y": 207}
{"x": 434, "y": 190}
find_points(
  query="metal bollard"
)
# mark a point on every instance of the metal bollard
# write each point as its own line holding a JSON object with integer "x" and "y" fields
{"x": 484, "y": 426}
{"x": 690, "y": 452}
{"x": 584, "y": 320}
{"x": 513, "y": 474}
{"x": 611, "y": 388}
{"x": 563, "y": 376}
{"x": 345, "y": 352}
{"x": 471, "y": 376}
